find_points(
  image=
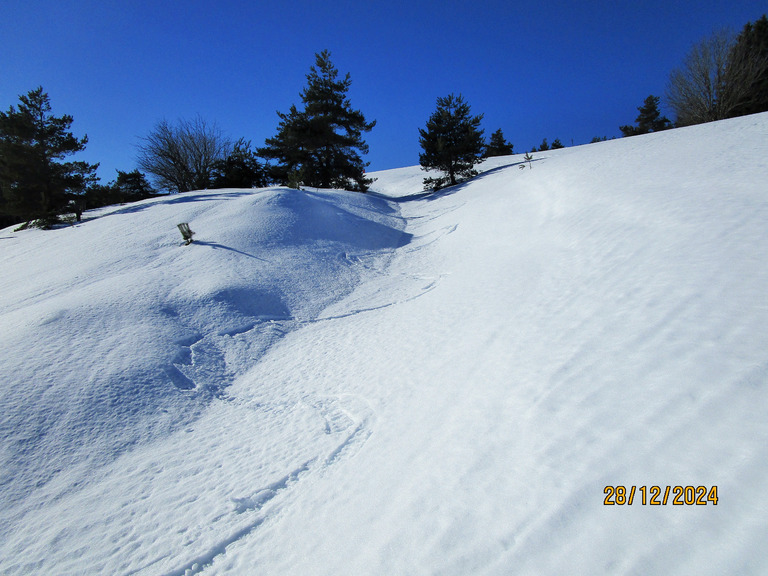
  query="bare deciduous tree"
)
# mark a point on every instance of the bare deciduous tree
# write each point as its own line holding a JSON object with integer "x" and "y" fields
{"x": 713, "y": 80}
{"x": 181, "y": 157}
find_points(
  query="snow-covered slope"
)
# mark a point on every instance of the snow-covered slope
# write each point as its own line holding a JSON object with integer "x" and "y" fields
{"x": 399, "y": 382}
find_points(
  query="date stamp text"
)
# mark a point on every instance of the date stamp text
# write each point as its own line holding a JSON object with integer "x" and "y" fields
{"x": 660, "y": 495}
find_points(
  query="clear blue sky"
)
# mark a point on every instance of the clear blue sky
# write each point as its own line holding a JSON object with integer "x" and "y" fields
{"x": 547, "y": 69}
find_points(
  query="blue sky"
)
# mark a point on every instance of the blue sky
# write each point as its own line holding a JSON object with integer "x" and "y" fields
{"x": 548, "y": 69}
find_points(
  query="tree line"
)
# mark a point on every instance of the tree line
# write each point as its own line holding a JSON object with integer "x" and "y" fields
{"x": 320, "y": 144}
{"x": 723, "y": 76}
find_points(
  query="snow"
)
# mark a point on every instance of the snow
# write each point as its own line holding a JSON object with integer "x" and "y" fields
{"x": 399, "y": 383}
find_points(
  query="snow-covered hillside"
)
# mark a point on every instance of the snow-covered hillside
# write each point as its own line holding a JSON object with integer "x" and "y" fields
{"x": 400, "y": 383}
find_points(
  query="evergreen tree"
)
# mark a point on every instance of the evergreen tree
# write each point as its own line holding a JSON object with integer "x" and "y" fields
{"x": 748, "y": 65}
{"x": 240, "y": 169}
{"x": 133, "y": 186}
{"x": 544, "y": 146}
{"x": 649, "y": 119}
{"x": 452, "y": 142}
{"x": 35, "y": 183}
{"x": 128, "y": 187}
{"x": 556, "y": 144}
{"x": 321, "y": 145}
{"x": 498, "y": 146}
{"x": 98, "y": 195}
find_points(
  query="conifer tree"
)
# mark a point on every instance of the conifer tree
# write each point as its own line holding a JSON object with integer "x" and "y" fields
{"x": 452, "y": 142}
{"x": 34, "y": 181}
{"x": 321, "y": 145}
{"x": 128, "y": 187}
{"x": 556, "y": 144}
{"x": 133, "y": 186}
{"x": 748, "y": 67}
{"x": 649, "y": 119}
{"x": 498, "y": 146}
{"x": 240, "y": 169}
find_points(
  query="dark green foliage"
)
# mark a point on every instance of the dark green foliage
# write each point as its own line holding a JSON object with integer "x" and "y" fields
{"x": 128, "y": 187}
{"x": 545, "y": 145}
{"x": 321, "y": 145}
{"x": 35, "y": 184}
{"x": 452, "y": 142}
{"x": 133, "y": 186}
{"x": 598, "y": 139}
{"x": 649, "y": 119}
{"x": 498, "y": 146}
{"x": 751, "y": 52}
{"x": 98, "y": 195}
{"x": 240, "y": 169}
{"x": 288, "y": 148}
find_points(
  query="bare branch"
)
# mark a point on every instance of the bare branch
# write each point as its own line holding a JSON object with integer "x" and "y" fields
{"x": 182, "y": 157}
{"x": 716, "y": 78}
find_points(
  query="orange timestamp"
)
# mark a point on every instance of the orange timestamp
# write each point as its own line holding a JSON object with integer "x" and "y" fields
{"x": 658, "y": 496}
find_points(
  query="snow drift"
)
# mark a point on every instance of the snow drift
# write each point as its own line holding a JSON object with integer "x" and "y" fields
{"x": 400, "y": 382}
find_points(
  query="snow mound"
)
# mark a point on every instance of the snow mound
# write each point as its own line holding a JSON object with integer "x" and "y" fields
{"x": 400, "y": 382}
{"x": 113, "y": 333}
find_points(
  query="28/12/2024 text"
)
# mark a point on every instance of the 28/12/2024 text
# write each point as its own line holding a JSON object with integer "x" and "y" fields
{"x": 658, "y": 496}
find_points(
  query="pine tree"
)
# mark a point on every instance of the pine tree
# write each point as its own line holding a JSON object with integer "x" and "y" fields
{"x": 133, "y": 186}
{"x": 321, "y": 145}
{"x": 35, "y": 183}
{"x": 452, "y": 142}
{"x": 556, "y": 144}
{"x": 649, "y": 119}
{"x": 498, "y": 146}
{"x": 128, "y": 187}
{"x": 544, "y": 146}
{"x": 240, "y": 169}
{"x": 748, "y": 66}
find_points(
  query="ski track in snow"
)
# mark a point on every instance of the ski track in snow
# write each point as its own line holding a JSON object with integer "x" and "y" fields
{"x": 346, "y": 417}
{"x": 206, "y": 363}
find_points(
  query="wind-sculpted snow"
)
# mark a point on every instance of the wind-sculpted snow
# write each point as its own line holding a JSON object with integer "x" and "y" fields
{"x": 114, "y": 334}
{"x": 400, "y": 382}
